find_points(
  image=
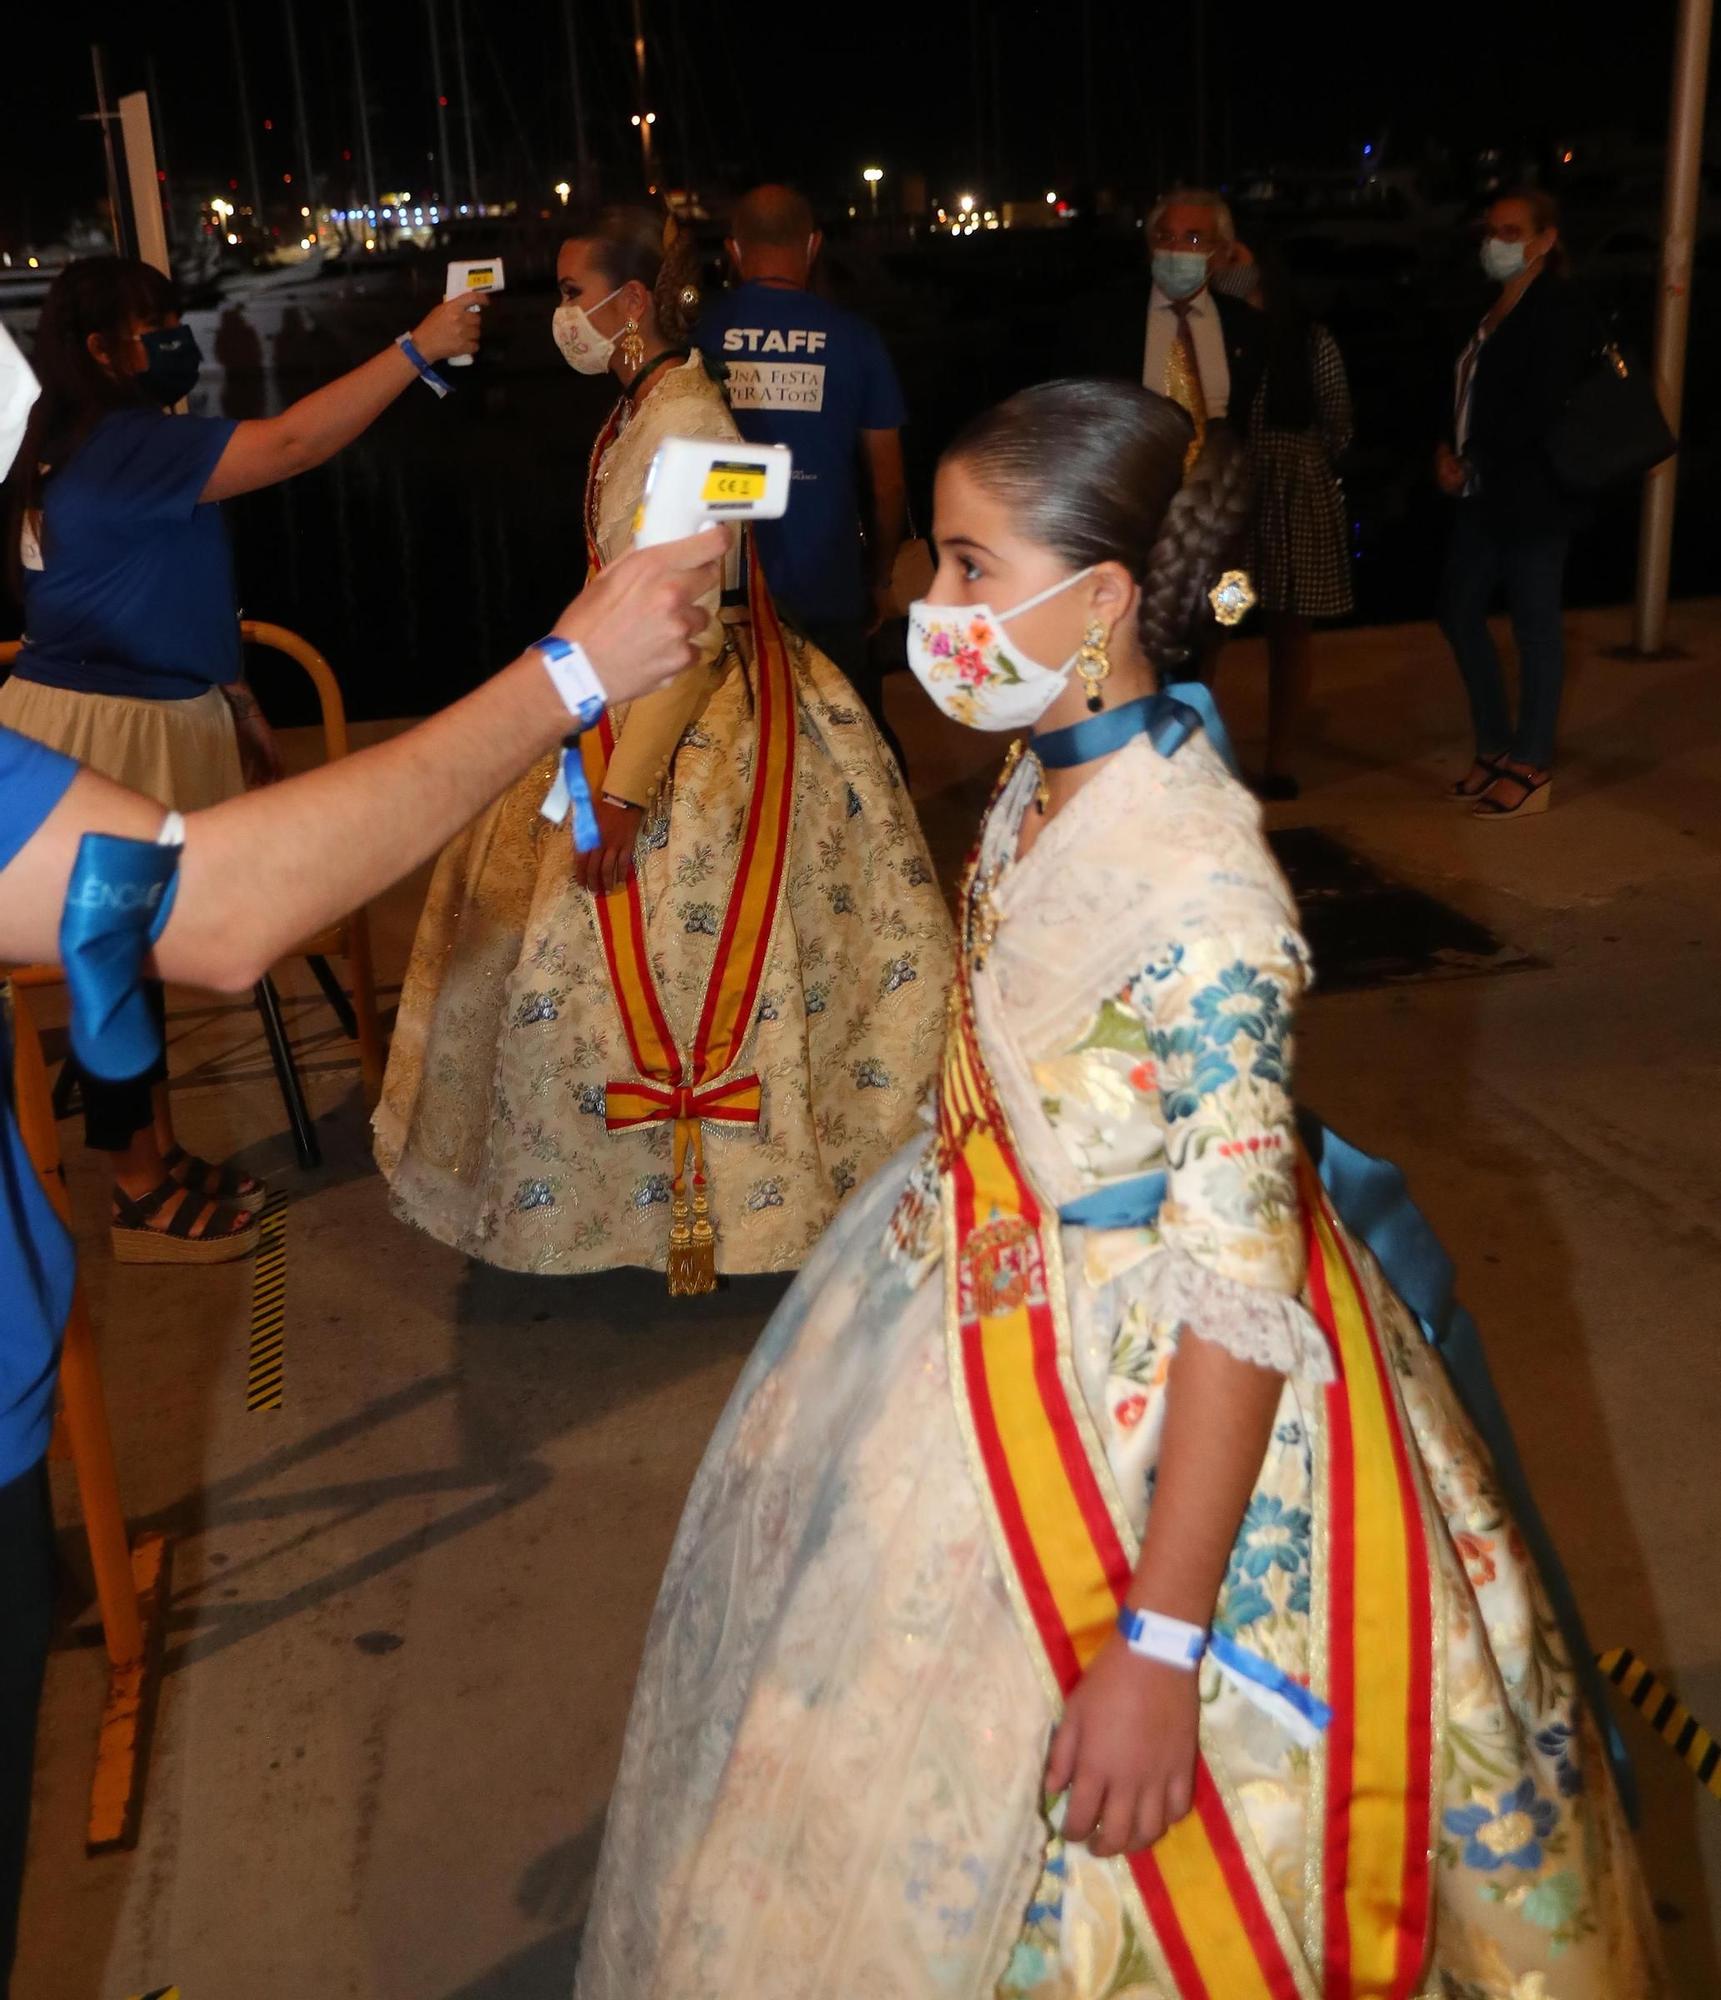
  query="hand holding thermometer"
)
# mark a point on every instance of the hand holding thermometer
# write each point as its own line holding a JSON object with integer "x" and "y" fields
{"x": 482, "y": 275}
{"x": 693, "y": 483}
{"x": 696, "y": 480}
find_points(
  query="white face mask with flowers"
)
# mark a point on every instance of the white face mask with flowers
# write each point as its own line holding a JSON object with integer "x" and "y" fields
{"x": 959, "y": 656}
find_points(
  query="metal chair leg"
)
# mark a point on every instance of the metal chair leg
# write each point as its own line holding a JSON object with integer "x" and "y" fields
{"x": 287, "y": 1073}
{"x": 336, "y": 995}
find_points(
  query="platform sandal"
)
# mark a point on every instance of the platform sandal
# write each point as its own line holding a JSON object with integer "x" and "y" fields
{"x": 231, "y": 1184}
{"x": 1467, "y": 793}
{"x": 1536, "y": 795}
{"x": 228, "y": 1232}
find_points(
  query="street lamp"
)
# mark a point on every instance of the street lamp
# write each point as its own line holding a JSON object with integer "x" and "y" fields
{"x": 872, "y": 176}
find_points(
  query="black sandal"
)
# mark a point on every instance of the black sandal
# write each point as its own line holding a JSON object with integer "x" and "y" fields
{"x": 1468, "y": 793}
{"x": 232, "y": 1184}
{"x": 228, "y": 1232}
{"x": 1536, "y": 795}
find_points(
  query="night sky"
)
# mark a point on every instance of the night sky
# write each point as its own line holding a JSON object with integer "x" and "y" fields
{"x": 987, "y": 94}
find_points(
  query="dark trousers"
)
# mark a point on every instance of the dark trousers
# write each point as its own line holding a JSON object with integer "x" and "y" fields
{"x": 114, "y": 1113}
{"x": 847, "y": 642}
{"x": 1531, "y": 569}
{"x": 26, "y": 1614}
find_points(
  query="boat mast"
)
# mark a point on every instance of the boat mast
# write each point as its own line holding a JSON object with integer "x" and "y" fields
{"x": 366, "y": 158}
{"x": 465, "y": 100}
{"x": 244, "y": 94}
{"x": 444, "y": 166}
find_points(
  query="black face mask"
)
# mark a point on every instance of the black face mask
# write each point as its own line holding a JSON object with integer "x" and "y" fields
{"x": 172, "y": 358}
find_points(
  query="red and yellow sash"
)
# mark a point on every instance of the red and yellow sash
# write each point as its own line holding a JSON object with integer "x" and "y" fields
{"x": 689, "y": 1088}
{"x": 1201, "y": 1892}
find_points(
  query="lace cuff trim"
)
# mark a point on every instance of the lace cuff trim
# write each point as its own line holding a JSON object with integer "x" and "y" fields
{"x": 1267, "y": 1328}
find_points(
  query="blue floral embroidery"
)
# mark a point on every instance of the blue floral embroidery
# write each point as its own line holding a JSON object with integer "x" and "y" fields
{"x": 898, "y": 974}
{"x": 534, "y": 1194}
{"x": 1189, "y": 1070}
{"x": 817, "y": 997}
{"x": 768, "y": 1008}
{"x": 1508, "y": 1834}
{"x": 842, "y": 903}
{"x": 535, "y": 1007}
{"x": 652, "y": 1192}
{"x": 1162, "y": 968}
{"x": 1273, "y": 1537}
{"x": 854, "y": 802}
{"x": 870, "y": 1075}
{"x": 1240, "y": 1001}
{"x": 656, "y": 833}
{"x": 915, "y": 872}
{"x": 843, "y": 1178}
{"x": 594, "y": 1100}
{"x": 764, "y": 1194}
{"x": 699, "y": 919}
{"x": 1555, "y": 1743}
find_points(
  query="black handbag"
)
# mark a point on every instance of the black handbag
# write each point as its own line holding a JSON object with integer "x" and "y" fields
{"x": 1612, "y": 430}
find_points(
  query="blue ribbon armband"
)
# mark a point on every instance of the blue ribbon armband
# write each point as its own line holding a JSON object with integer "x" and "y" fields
{"x": 582, "y": 693}
{"x": 427, "y": 374}
{"x": 117, "y": 905}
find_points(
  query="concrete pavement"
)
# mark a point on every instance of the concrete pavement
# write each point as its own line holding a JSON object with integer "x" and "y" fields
{"x": 408, "y": 1605}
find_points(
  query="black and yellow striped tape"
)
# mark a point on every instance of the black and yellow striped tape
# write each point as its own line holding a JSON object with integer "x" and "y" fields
{"x": 266, "y": 1371}
{"x": 1671, "y": 1720}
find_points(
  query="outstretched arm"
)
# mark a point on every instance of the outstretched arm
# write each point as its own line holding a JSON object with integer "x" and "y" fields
{"x": 263, "y": 871}
{"x": 265, "y": 450}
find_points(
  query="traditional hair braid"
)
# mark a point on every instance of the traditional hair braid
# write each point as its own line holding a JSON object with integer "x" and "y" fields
{"x": 1199, "y": 530}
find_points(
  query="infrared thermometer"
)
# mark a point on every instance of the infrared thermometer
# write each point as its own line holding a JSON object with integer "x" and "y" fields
{"x": 482, "y": 274}
{"x": 695, "y": 480}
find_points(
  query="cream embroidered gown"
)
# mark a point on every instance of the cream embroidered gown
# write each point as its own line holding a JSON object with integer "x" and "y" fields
{"x": 831, "y": 1783}
{"x": 491, "y": 1127}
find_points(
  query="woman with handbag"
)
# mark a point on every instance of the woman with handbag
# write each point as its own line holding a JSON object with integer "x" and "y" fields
{"x": 1514, "y": 518}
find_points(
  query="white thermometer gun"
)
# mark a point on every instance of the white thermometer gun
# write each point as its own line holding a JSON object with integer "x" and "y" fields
{"x": 484, "y": 275}
{"x": 695, "y": 480}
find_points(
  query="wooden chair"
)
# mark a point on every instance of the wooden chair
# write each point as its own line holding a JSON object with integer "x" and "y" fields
{"x": 349, "y": 939}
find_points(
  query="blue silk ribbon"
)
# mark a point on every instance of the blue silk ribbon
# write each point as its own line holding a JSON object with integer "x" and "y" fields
{"x": 1169, "y": 718}
{"x": 117, "y": 905}
{"x": 1133, "y": 1204}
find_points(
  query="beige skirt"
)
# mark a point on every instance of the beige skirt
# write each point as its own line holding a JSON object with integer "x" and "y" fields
{"x": 185, "y": 754}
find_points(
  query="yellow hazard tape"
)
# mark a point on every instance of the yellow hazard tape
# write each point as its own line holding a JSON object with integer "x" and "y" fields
{"x": 1671, "y": 1720}
{"x": 266, "y": 1370}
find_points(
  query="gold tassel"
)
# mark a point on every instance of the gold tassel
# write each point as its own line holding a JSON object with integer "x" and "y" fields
{"x": 692, "y": 1264}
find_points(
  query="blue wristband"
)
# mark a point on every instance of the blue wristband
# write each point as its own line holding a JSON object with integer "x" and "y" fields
{"x": 409, "y": 347}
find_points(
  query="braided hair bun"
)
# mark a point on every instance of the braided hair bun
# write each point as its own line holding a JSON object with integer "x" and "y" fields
{"x": 643, "y": 246}
{"x": 1094, "y": 471}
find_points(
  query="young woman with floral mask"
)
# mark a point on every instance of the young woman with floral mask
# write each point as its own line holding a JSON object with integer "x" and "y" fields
{"x": 1071, "y": 1603}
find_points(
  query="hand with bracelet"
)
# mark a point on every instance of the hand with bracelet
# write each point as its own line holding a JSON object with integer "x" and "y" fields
{"x": 1125, "y": 1749}
{"x": 611, "y": 863}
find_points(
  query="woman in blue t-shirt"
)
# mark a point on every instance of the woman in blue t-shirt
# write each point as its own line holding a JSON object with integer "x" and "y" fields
{"x": 131, "y": 660}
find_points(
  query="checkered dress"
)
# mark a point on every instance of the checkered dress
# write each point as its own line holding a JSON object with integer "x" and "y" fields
{"x": 1299, "y": 541}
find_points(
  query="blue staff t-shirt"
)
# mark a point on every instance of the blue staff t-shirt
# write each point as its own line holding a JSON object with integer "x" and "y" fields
{"x": 805, "y": 373}
{"x": 135, "y": 595}
{"x": 36, "y": 1265}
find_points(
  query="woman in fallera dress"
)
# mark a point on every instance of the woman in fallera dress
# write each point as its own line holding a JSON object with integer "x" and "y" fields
{"x": 1095, "y": 1587}
{"x": 686, "y": 1046}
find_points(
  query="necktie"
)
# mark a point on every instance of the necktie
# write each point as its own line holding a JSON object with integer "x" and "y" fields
{"x": 1183, "y": 380}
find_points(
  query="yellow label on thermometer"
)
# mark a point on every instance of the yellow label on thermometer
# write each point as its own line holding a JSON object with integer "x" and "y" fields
{"x": 481, "y": 277}
{"x": 731, "y": 485}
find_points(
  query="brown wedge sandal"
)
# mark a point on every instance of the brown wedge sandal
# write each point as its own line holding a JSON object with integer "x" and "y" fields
{"x": 227, "y": 1234}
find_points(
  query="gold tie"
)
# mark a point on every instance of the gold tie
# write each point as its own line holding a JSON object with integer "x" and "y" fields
{"x": 1183, "y": 381}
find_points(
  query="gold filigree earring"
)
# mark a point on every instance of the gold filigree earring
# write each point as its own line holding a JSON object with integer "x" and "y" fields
{"x": 631, "y": 345}
{"x": 1093, "y": 663}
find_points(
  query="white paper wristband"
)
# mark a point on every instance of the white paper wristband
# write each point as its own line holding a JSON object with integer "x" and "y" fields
{"x": 576, "y": 679}
{"x": 1168, "y": 1640}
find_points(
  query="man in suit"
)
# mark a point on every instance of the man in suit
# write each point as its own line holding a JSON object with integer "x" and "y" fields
{"x": 1204, "y": 350}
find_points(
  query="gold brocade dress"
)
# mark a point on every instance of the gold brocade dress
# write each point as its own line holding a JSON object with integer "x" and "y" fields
{"x": 492, "y": 1125}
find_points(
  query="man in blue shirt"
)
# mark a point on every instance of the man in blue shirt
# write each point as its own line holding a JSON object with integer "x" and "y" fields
{"x": 805, "y": 373}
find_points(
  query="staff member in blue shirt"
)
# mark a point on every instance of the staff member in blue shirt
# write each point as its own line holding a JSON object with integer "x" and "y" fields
{"x": 805, "y": 373}
{"x": 256, "y": 873}
{"x": 131, "y": 661}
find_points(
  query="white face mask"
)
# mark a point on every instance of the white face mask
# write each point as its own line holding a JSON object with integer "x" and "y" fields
{"x": 582, "y": 346}
{"x": 958, "y": 655}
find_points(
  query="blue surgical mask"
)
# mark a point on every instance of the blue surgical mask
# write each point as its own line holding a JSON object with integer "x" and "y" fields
{"x": 1180, "y": 274}
{"x": 1502, "y": 261}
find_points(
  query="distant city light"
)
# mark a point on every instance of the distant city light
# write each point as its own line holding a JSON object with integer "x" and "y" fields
{"x": 1052, "y": 197}
{"x": 232, "y": 240}
{"x": 651, "y": 117}
{"x": 1366, "y": 151}
{"x": 636, "y": 118}
{"x": 35, "y": 263}
{"x": 304, "y": 211}
{"x": 965, "y": 202}
{"x": 872, "y": 175}
{"x": 563, "y": 188}
{"x": 1566, "y": 158}
{"x": 304, "y": 243}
